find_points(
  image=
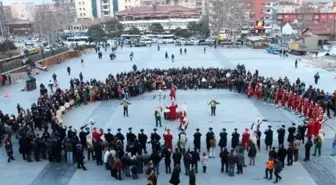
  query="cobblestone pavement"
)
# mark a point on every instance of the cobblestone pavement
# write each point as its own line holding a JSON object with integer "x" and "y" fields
{"x": 235, "y": 111}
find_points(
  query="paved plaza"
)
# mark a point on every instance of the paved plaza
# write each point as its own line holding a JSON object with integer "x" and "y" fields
{"x": 235, "y": 111}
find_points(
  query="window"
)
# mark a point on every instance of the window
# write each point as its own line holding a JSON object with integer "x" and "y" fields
{"x": 80, "y": 8}
{"x": 84, "y": 14}
{"x": 125, "y": 1}
{"x": 80, "y": 14}
{"x": 126, "y": 7}
{"x": 83, "y": 2}
{"x": 79, "y": 3}
{"x": 83, "y": 8}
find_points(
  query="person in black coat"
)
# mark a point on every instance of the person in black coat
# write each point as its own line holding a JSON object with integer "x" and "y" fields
{"x": 197, "y": 140}
{"x": 268, "y": 137}
{"x": 282, "y": 153}
{"x": 223, "y": 139}
{"x": 175, "y": 178}
{"x": 142, "y": 139}
{"x": 108, "y": 136}
{"x": 308, "y": 146}
{"x": 223, "y": 155}
{"x": 82, "y": 137}
{"x": 291, "y": 132}
{"x": 235, "y": 138}
{"x": 80, "y": 157}
{"x": 97, "y": 147}
{"x": 192, "y": 177}
{"x": 120, "y": 136}
{"x": 195, "y": 157}
{"x": 258, "y": 133}
{"x": 209, "y": 136}
{"x": 167, "y": 159}
{"x": 281, "y": 135}
{"x": 177, "y": 156}
{"x": 130, "y": 137}
{"x": 301, "y": 131}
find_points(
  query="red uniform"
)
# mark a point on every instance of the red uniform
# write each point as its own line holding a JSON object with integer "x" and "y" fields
{"x": 317, "y": 127}
{"x": 173, "y": 92}
{"x": 256, "y": 90}
{"x": 245, "y": 138}
{"x": 249, "y": 91}
{"x": 305, "y": 107}
{"x": 183, "y": 118}
{"x": 290, "y": 100}
{"x": 310, "y": 128}
{"x": 172, "y": 113}
{"x": 96, "y": 135}
{"x": 284, "y": 98}
{"x": 310, "y": 110}
{"x": 277, "y": 97}
{"x": 300, "y": 104}
{"x": 93, "y": 95}
{"x": 168, "y": 138}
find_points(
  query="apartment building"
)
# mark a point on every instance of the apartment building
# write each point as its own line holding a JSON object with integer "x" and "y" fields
{"x": 88, "y": 9}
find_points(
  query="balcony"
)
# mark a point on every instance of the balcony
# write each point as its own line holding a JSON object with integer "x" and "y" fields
{"x": 268, "y": 4}
{"x": 105, "y": 3}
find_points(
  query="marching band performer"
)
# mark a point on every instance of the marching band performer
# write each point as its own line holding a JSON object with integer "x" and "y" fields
{"x": 277, "y": 97}
{"x": 168, "y": 138}
{"x": 223, "y": 139}
{"x": 281, "y": 134}
{"x": 245, "y": 138}
{"x": 130, "y": 137}
{"x": 197, "y": 140}
{"x": 269, "y": 137}
{"x": 97, "y": 135}
{"x": 157, "y": 115}
{"x": 125, "y": 104}
{"x": 235, "y": 138}
{"x": 283, "y": 98}
{"x": 108, "y": 136}
{"x": 209, "y": 136}
{"x": 249, "y": 91}
{"x": 213, "y": 104}
{"x": 172, "y": 114}
{"x": 172, "y": 94}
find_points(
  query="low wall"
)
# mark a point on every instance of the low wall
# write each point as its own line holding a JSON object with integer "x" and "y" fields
{"x": 62, "y": 56}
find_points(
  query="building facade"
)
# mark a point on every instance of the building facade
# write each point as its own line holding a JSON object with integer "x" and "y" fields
{"x": 261, "y": 15}
{"x": 128, "y": 4}
{"x": 2, "y": 21}
{"x": 22, "y": 11}
{"x": 288, "y": 7}
{"x": 284, "y": 18}
{"x": 170, "y": 17}
{"x": 89, "y": 9}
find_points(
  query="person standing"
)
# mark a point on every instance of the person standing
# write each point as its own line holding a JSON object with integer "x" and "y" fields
{"x": 80, "y": 157}
{"x": 204, "y": 162}
{"x": 172, "y": 111}
{"x": 308, "y": 146}
{"x": 252, "y": 152}
{"x": 290, "y": 154}
{"x": 177, "y": 156}
{"x": 240, "y": 163}
{"x": 223, "y": 155}
{"x": 277, "y": 169}
{"x": 297, "y": 145}
{"x": 209, "y": 136}
{"x": 333, "y": 153}
{"x": 167, "y": 160}
{"x": 69, "y": 151}
{"x": 192, "y": 177}
{"x": 235, "y": 139}
{"x": 231, "y": 160}
{"x": 269, "y": 137}
{"x": 213, "y": 104}
{"x": 195, "y": 157}
{"x": 69, "y": 70}
{"x": 157, "y": 115}
{"x": 9, "y": 149}
{"x": 125, "y": 104}
{"x": 197, "y": 140}
{"x": 316, "y": 78}
{"x": 318, "y": 145}
{"x": 269, "y": 169}
{"x": 223, "y": 139}
{"x": 281, "y": 135}
{"x": 282, "y": 153}
{"x": 175, "y": 178}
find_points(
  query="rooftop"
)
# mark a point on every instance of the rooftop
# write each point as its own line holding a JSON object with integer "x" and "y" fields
{"x": 161, "y": 10}
{"x": 89, "y": 22}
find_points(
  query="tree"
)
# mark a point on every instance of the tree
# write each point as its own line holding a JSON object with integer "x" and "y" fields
{"x": 194, "y": 27}
{"x": 199, "y": 28}
{"x": 182, "y": 33}
{"x": 96, "y": 33}
{"x": 114, "y": 28}
{"x": 7, "y": 45}
{"x": 47, "y": 22}
{"x": 226, "y": 15}
{"x": 134, "y": 31}
{"x": 156, "y": 28}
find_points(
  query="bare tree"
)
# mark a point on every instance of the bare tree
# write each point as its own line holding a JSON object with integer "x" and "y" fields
{"x": 226, "y": 15}
{"x": 48, "y": 21}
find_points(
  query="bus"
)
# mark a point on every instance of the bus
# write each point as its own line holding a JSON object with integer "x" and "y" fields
{"x": 129, "y": 38}
{"x": 168, "y": 39}
{"x": 77, "y": 40}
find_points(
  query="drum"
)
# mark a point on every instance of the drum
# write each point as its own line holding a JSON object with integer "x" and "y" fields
{"x": 67, "y": 105}
{"x": 72, "y": 102}
{"x": 166, "y": 114}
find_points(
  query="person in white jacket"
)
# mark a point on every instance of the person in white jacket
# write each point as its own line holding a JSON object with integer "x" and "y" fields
{"x": 106, "y": 154}
{"x": 204, "y": 161}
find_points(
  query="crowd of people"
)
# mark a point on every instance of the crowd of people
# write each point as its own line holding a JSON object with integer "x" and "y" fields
{"x": 131, "y": 156}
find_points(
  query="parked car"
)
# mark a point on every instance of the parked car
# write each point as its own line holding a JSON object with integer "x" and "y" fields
{"x": 273, "y": 48}
{"x": 202, "y": 42}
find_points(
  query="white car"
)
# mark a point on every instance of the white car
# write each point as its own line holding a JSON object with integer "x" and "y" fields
{"x": 47, "y": 48}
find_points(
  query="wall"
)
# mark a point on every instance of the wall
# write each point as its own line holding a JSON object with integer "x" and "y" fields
{"x": 83, "y": 9}
{"x": 62, "y": 56}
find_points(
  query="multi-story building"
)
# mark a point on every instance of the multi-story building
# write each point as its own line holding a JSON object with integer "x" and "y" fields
{"x": 128, "y": 4}
{"x": 288, "y": 7}
{"x": 2, "y": 21}
{"x": 170, "y": 17}
{"x": 94, "y": 8}
{"x": 316, "y": 17}
{"x": 7, "y": 12}
{"x": 22, "y": 11}
{"x": 261, "y": 15}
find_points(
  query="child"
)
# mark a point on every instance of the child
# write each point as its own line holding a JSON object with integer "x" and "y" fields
{"x": 204, "y": 161}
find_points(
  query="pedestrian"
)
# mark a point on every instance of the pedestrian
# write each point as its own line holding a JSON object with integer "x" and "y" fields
{"x": 80, "y": 157}
{"x": 167, "y": 160}
{"x": 187, "y": 163}
{"x": 175, "y": 178}
{"x": 116, "y": 168}
{"x": 252, "y": 152}
{"x": 240, "y": 163}
{"x": 277, "y": 170}
{"x": 269, "y": 168}
{"x": 69, "y": 70}
{"x": 316, "y": 78}
{"x": 125, "y": 104}
{"x": 308, "y": 146}
{"x": 204, "y": 161}
{"x": 297, "y": 145}
{"x": 290, "y": 154}
{"x": 333, "y": 153}
{"x": 192, "y": 177}
{"x": 296, "y": 63}
{"x": 223, "y": 155}
{"x": 9, "y": 149}
{"x": 282, "y": 153}
{"x": 232, "y": 160}
{"x": 318, "y": 145}
{"x": 69, "y": 151}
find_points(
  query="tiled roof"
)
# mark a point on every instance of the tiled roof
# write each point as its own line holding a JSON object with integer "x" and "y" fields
{"x": 89, "y": 22}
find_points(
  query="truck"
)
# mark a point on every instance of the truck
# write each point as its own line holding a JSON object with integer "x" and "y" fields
{"x": 297, "y": 48}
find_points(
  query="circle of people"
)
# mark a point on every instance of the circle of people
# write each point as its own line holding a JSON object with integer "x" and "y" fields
{"x": 107, "y": 148}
